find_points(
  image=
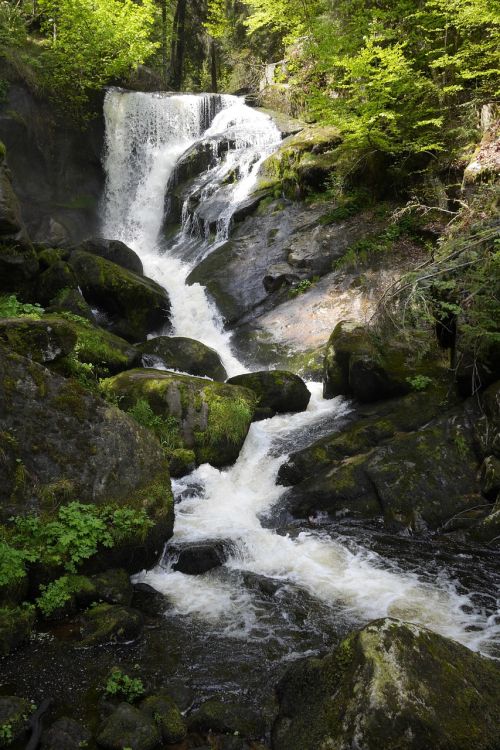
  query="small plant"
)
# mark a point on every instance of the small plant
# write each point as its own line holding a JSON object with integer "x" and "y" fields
{"x": 419, "y": 382}
{"x": 10, "y": 307}
{"x": 228, "y": 420}
{"x": 12, "y": 568}
{"x": 6, "y": 733}
{"x": 55, "y": 595}
{"x": 120, "y": 684}
{"x": 166, "y": 429}
{"x": 302, "y": 286}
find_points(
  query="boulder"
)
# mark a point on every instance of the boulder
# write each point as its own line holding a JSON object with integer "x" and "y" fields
{"x": 115, "y": 251}
{"x": 227, "y": 717}
{"x": 277, "y": 390}
{"x": 14, "y": 714}
{"x": 195, "y": 558}
{"x": 210, "y": 418}
{"x": 58, "y": 277}
{"x": 42, "y": 341}
{"x": 186, "y": 355}
{"x": 16, "y": 624}
{"x": 391, "y": 685}
{"x": 361, "y": 364}
{"x": 181, "y": 461}
{"x": 128, "y": 727}
{"x": 72, "y": 301}
{"x": 113, "y": 586}
{"x": 134, "y": 304}
{"x": 65, "y": 734}
{"x": 278, "y": 275}
{"x": 18, "y": 266}
{"x": 110, "y": 623}
{"x": 60, "y": 441}
{"x": 167, "y": 717}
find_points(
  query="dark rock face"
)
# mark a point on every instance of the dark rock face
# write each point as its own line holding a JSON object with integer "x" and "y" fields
{"x": 195, "y": 558}
{"x": 56, "y": 434}
{"x": 113, "y": 586}
{"x": 65, "y": 734}
{"x": 167, "y": 716}
{"x": 72, "y": 301}
{"x": 279, "y": 391}
{"x": 225, "y": 717}
{"x": 18, "y": 266}
{"x": 115, "y": 251}
{"x": 56, "y": 167}
{"x": 14, "y": 713}
{"x": 135, "y": 305}
{"x": 10, "y": 211}
{"x": 110, "y": 623}
{"x": 16, "y": 624}
{"x": 129, "y": 727}
{"x": 391, "y": 685}
{"x": 186, "y": 355}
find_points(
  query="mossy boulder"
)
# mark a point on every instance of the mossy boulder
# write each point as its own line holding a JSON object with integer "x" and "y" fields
{"x": 227, "y": 717}
{"x": 14, "y": 715}
{"x": 128, "y": 727}
{"x": 71, "y": 301}
{"x": 181, "y": 461}
{"x": 391, "y": 685}
{"x": 210, "y": 418}
{"x": 53, "y": 281}
{"x": 18, "y": 266}
{"x": 113, "y": 586}
{"x": 43, "y": 341}
{"x": 65, "y": 734}
{"x": 115, "y": 251}
{"x": 60, "y": 442}
{"x": 135, "y": 305}
{"x": 16, "y": 624}
{"x": 360, "y": 363}
{"x": 107, "y": 353}
{"x": 110, "y": 623}
{"x": 167, "y": 716}
{"x": 10, "y": 210}
{"x": 186, "y": 355}
{"x": 278, "y": 391}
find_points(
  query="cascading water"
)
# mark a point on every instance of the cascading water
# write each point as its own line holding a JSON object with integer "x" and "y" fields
{"x": 146, "y": 134}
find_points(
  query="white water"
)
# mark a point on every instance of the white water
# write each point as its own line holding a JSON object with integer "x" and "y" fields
{"x": 146, "y": 134}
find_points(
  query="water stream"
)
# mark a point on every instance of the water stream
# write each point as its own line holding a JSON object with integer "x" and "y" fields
{"x": 348, "y": 575}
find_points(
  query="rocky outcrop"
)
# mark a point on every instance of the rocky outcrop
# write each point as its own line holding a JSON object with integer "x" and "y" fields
{"x": 391, "y": 685}
{"x": 212, "y": 419}
{"x": 277, "y": 391}
{"x": 59, "y": 441}
{"x": 42, "y": 341}
{"x": 115, "y": 251}
{"x": 185, "y": 355}
{"x": 135, "y": 305}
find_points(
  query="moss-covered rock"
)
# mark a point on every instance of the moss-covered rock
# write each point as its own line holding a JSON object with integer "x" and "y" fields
{"x": 16, "y": 624}
{"x": 14, "y": 715}
{"x": 210, "y": 418}
{"x": 391, "y": 685}
{"x": 18, "y": 266}
{"x": 167, "y": 716}
{"x": 43, "y": 341}
{"x": 128, "y": 727}
{"x": 53, "y": 281}
{"x": 115, "y": 251}
{"x": 110, "y": 623}
{"x": 107, "y": 353}
{"x": 362, "y": 364}
{"x": 227, "y": 717}
{"x": 65, "y": 734}
{"x": 60, "y": 442}
{"x": 181, "y": 461}
{"x": 10, "y": 210}
{"x": 113, "y": 586}
{"x": 186, "y": 355}
{"x": 72, "y": 301}
{"x": 277, "y": 390}
{"x": 134, "y": 304}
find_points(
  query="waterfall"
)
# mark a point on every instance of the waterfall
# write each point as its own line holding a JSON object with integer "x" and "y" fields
{"x": 146, "y": 134}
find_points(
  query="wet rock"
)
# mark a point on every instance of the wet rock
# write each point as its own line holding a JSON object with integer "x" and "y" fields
{"x": 72, "y": 301}
{"x": 110, "y": 623}
{"x": 487, "y": 531}
{"x": 14, "y": 715}
{"x": 280, "y": 391}
{"x": 48, "y": 256}
{"x": 60, "y": 441}
{"x": 181, "y": 462}
{"x": 65, "y": 734}
{"x": 135, "y": 304}
{"x": 210, "y": 418}
{"x": 16, "y": 624}
{"x": 113, "y": 586}
{"x": 195, "y": 558}
{"x": 58, "y": 277}
{"x": 490, "y": 477}
{"x": 148, "y": 600}
{"x": 129, "y": 727}
{"x": 186, "y": 355}
{"x": 18, "y": 266}
{"x": 10, "y": 210}
{"x": 391, "y": 685}
{"x": 167, "y": 716}
{"x": 222, "y": 717}
{"x": 115, "y": 251}
{"x": 278, "y": 275}
{"x": 42, "y": 341}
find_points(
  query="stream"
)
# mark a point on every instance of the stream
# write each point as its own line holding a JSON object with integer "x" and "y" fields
{"x": 285, "y": 590}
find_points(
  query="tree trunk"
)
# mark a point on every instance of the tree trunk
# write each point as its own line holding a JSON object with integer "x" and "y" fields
{"x": 164, "y": 69}
{"x": 178, "y": 45}
{"x": 213, "y": 65}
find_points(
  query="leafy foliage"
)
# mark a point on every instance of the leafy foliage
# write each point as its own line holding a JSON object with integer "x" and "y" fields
{"x": 121, "y": 685}
{"x": 166, "y": 429}
{"x": 10, "y": 307}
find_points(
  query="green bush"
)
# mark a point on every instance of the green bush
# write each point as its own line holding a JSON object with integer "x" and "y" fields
{"x": 121, "y": 685}
{"x": 10, "y": 307}
{"x": 166, "y": 429}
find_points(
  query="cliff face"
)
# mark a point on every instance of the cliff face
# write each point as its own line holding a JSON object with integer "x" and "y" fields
{"x": 56, "y": 167}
